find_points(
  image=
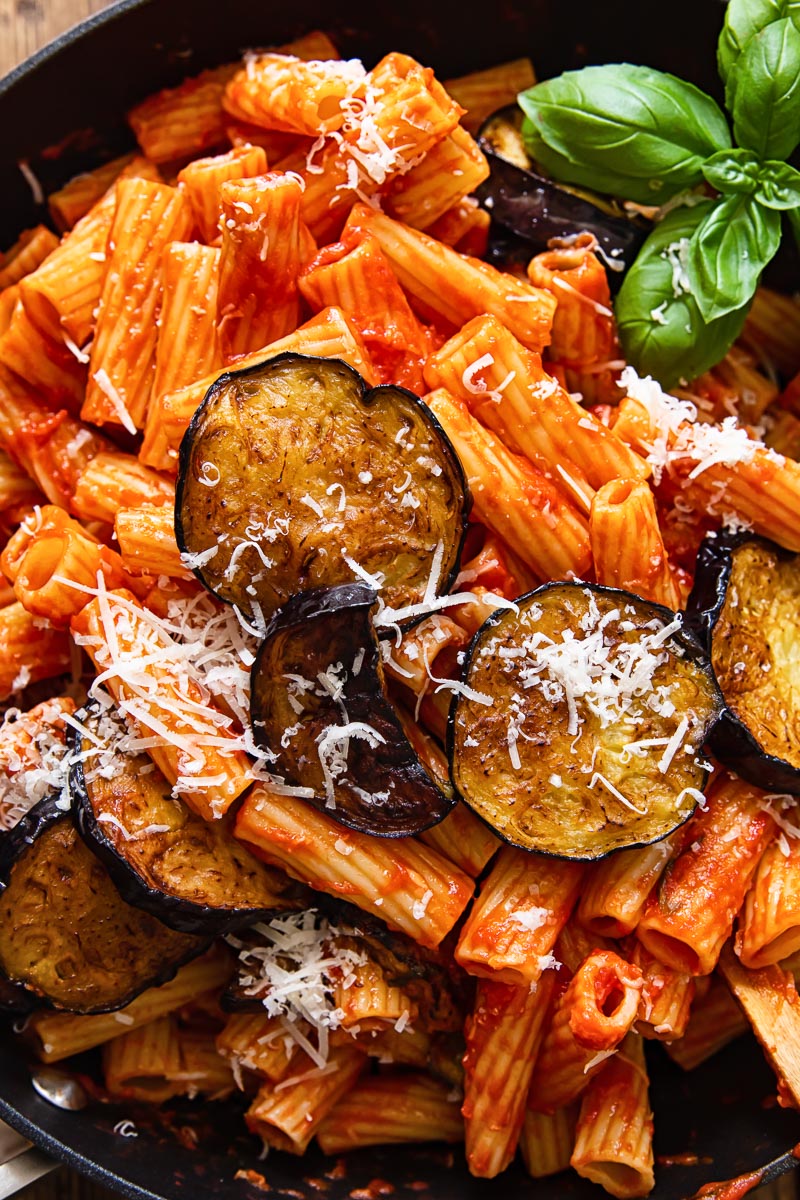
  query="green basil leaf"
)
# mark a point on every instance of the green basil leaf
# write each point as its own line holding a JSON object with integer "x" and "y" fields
{"x": 727, "y": 253}
{"x": 627, "y": 130}
{"x": 794, "y": 220}
{"x": 733, "y": 171}
{"x": 661, "y": 328}
{"x": 743, "y": 20}
{"x": 764, "y": 92}
{"x": 778, "y": 186}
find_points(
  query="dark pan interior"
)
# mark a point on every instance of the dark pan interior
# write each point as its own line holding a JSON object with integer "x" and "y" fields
{"x": 722, "y": 1120}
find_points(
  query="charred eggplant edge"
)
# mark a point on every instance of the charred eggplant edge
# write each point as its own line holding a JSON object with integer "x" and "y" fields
{"x": 731, "y": 740}
{"x": 322, "y": 601}
{"x": 684, "y": 636}
{"x": 620, "y": 237}
{"x": 366, "y": 396}
{"x": 184, "y": 916}
{"x": 23, "y": 835}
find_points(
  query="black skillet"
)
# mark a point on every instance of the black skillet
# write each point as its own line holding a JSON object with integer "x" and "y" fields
{"x": 718, "y": 1122}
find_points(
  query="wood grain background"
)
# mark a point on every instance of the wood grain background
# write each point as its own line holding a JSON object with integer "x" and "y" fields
{"x": 25, "y": 25}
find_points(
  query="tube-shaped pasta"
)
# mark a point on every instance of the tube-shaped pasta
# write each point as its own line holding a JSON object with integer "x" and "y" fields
{"x": 584, "y": 346}
{"x": 716, "y": 1019}
{"x": 614, "y": 1134}
{"x": 30, "y": 650}
{"x": 389, "y": 1109}
{"x": 589, "y": 1021}
{"x": 58, "y": 1035}
{"x": 690, "y": 914}
{"x": 615, "y": 889}
{"x": 288, "y": 1114}
{"x": 72, "y": 201}
{"x": 400, "y": 107}
{"x": 770, "y": 923}
{"x": 465, "y": 227}
{"x": 123, "y": 357}
{"x": 627, "y": 545}
{"x": 411, "y": 1048}
{"x": 179, "y": 122}
{"x": 482, "y": 92}
{"x": 146, "y": 537}
{"x": 413, "y": 888}
{"x": 328, "y": 335}
{"x": 666, "y": 998}
{"x": 282, "y": 92}
{"x": 144, "y": 1063}
{"x": 114, "y": 480}
{"x": 358, "y": 279}
{"x": 202, "y": 179}
{"x": 43, "y": 359}
{"x": 506, "y": 387}
{"x": 547, "y": 1140}
{"x": 258, "y": 301}
{"x": 368, "y": 1000}
{"x": 762, "y": 487}
{"x": 773, "y": 329}
{"x": 28, "y": 252}
{"x": 256, "y": 1042}
{"x": 523, "y": 904}
{"x": 464, "y": 839}
{"x": 770, "y": 1002}
{"x": 503, "y": 1038}
{"x": 513, "y": 497}
{"x": 66, "y": 288}
{"x": 190, "y": 741}
{"x": 203, "y": 1070}
{"x": 187, "y": 340}
{"x": 448, "y": 287}
{"x": 28, "y": 742}
{"x": 58, "y": 556}
{"x": 451, "y": 170}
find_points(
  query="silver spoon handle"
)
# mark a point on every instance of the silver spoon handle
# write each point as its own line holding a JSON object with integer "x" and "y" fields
{"x": 20, "y": 1162}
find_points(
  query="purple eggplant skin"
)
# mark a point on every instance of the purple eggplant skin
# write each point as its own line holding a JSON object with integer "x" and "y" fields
{"x": 14, "y": 999}
{"x": 105, "y": 976}
{"x": 177, "y": 912}
{"x": 385, "y": 791}
{"x": 731, "y": 741}
{"x": 537, "y": 210}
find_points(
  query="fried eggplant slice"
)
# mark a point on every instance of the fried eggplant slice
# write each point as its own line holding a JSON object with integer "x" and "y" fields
{"x": 294, "y": 475}
{"x": 581, "y": 720}
{"x": 441, "y": 992}
{"x": 190, "y": 873}
{"x": 537, "y": 210}
{"x": 745, "y": 609}
{"x": 66, "y": 934}
{"x": 318, "y": 701}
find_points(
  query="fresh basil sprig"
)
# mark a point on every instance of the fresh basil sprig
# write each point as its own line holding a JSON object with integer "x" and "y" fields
{"x": 628, "y": 130}
{"x": 649, "y": 137}
{"x": 660, "y": 323}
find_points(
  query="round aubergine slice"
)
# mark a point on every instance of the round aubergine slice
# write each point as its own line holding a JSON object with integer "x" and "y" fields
{"x": 745, "y": 609}
{"x": 318, "y": 702}
{"x": 537, "y": 210}
{"x": 66, "y": 934}
{"x": 294, "y": 475}
{"x": 190, "y": 873}
{"x": 579, "y": 727}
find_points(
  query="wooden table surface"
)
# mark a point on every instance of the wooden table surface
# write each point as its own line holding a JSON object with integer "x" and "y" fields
{"x": 25, "y": 25}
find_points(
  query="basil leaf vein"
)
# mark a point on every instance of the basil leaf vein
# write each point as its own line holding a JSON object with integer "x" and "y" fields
{"x": 632, "y": 131}
{"x": 727, "y": 253}
{"x": 764, "y": 98}
{"x": 662, "y": 331}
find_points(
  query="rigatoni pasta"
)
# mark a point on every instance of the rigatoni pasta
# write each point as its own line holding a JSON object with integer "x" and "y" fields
{"x": 443, "y": 986}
